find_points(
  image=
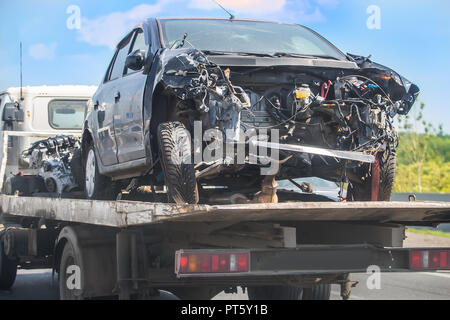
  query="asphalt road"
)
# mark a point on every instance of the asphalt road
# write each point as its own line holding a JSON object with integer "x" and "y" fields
{"x": 37, "y": 285}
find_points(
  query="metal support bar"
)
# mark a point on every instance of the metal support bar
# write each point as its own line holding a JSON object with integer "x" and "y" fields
{"x": 348, "y": 155}
{"x": 127, "y": 264}
{"x": 123, "y": 243}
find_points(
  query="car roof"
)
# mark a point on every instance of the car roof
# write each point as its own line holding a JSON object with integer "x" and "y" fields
{"x": 224, "y": 19}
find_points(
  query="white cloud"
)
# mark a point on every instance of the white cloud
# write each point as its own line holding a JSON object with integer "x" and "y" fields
{"x": 41, "y": 51}
{"x": 310, "y": 16}
{"x": 107, "y": 30}
{"x": 242, "y": 6}
{"x": 329, "y": 4}
{"x": 283, "y": 10}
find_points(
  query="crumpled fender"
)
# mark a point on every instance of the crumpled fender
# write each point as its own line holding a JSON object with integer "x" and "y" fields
{"x": 398, "y": 87}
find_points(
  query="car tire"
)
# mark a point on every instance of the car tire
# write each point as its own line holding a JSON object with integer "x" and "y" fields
{"x": 275, "y": 293}
{"x": 76, "y": 167}
{"x": 319, "y": 292}
{"x": 179, "y": 175}
{"x": 363, "y": 191}
{"x": 8, "y": 270}
{"x": 68, "y": 258}
{"x": 96, "y": 186}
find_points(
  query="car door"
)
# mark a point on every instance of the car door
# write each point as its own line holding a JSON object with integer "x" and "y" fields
{"x": 105, "y": 101}
{"x": 129, "y": 110}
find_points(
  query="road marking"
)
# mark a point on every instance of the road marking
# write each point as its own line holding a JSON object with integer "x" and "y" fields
{"x": 436, "y": 274}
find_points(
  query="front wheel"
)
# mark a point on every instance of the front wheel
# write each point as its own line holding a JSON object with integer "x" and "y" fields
{"x": 8, "y": 270}
{"x": 175, "y": 154}
{"x": 377, "y": 186}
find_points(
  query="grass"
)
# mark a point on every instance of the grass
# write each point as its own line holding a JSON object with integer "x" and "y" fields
{"x": 430, "y": 232}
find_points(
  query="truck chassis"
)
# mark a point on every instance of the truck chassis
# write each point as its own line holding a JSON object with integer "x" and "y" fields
{"x": 133, "y": 249}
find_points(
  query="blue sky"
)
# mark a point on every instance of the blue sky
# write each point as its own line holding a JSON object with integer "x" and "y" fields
{"x": 414, "y": 38}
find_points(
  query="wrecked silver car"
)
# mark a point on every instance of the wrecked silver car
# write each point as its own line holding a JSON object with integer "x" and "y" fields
{"x": 215, "y": 106}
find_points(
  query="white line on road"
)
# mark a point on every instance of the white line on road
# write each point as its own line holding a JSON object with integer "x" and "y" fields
{"x": 436, "y": 274}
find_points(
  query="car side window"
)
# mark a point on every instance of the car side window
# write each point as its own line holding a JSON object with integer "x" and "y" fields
{"x": 139, "y": 44}
{"x": 118, "y": 68}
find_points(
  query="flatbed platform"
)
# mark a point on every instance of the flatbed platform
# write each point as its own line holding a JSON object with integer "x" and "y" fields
{"x": 123, "y": 214}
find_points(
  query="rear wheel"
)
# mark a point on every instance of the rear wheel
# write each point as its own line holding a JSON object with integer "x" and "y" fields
{"x": 68, "y": 282}
{"x": 175, "y": 154}
{"x": 275, "y": 293}
{"x": 96, "y": 186}
{"x": 319, "y": 292}
{"x": 381, "y": 189}
{"x": 8, "y": 270}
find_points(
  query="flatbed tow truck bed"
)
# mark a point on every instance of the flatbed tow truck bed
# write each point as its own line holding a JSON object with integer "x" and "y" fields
{"x": 123, "y": 214}
{"x": 130, "y": 248}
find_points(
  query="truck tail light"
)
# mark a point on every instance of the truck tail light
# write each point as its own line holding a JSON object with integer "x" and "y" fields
{"x": 189, "y": 263}
{"x": 425, "y": 259}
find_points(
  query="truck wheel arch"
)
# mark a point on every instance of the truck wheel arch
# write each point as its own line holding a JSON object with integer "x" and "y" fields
{"x": 66, "y": 235}
{"x": 94, "y": 250}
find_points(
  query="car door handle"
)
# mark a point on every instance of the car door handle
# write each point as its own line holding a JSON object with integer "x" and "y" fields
{"x": 117, "y": 97}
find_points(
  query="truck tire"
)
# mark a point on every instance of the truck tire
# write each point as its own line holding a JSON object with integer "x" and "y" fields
{"x": 179, "y": 175}
{"x": 363, "y": 191}
{"x": 275, "y": 293}
{"x": 96, "y": 186}
{"x": 319, "y": 292}
{"x": 8, "y": 270}
{"x": 68, "y": 258}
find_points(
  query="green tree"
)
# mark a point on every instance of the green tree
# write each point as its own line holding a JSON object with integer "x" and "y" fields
{"x": 417, "y": 148}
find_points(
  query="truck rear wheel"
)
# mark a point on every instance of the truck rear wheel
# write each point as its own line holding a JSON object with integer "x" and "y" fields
{"x": 275, "y": 293}
{"x": 179, "y": 175}
{"x": 363, "y": 191}
{"x": 96, "y": 186}
{"x": 8, "y": 270}
{"x": 319, "y": 292}
{"x": 68, "y": 274}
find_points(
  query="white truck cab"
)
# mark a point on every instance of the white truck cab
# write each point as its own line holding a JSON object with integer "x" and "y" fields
{"x": 41, "y": 110}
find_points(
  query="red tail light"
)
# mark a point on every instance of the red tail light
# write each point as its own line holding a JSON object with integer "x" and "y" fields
{"x": 188, "y": 263}
{"x": 426, "y": 259}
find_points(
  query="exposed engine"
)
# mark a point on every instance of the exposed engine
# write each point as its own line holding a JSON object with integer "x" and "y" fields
{"x": 205, "y": 89}
{"x": 52, "y": 158}
{"x": 349, "y": 110}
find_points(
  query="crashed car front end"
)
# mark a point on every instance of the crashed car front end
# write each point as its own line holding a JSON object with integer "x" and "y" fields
{"x": 328, "y": 118}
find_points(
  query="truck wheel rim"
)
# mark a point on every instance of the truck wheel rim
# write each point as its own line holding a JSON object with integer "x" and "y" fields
{"x": 90, "y": 173}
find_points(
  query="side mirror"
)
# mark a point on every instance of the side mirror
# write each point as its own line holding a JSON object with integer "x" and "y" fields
{"x": 12, "y": 113}
{"x": 135, "y": 60}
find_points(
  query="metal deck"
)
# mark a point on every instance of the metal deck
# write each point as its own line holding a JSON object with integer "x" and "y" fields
{"x": 122, "y": 214}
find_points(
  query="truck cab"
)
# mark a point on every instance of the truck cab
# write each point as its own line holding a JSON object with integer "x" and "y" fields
{"x": 41, "y": 111}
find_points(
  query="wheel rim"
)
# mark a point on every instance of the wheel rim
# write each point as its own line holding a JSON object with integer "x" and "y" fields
{"x": 90, "y": 174}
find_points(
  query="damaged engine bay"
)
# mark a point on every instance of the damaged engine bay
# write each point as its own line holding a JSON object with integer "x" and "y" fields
{"x": 334, "y": 123}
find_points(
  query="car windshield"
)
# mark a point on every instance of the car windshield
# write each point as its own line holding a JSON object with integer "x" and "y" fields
{"x": 248, "y": 37}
